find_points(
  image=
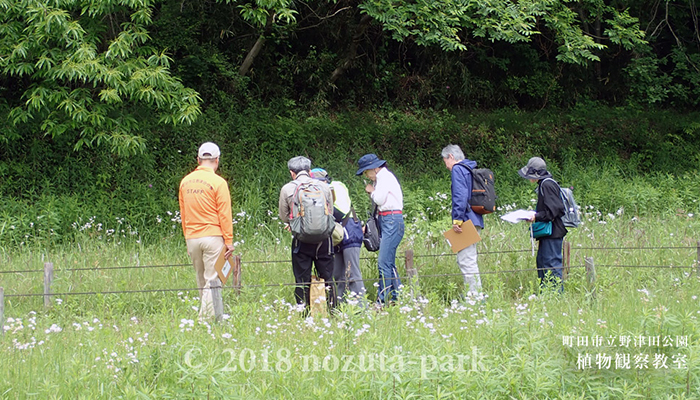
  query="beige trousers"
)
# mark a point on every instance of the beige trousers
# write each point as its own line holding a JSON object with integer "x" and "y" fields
{"x": 204, "y": 252}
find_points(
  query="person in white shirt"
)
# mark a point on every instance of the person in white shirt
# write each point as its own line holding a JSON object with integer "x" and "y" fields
{"x": 387, "y": 195}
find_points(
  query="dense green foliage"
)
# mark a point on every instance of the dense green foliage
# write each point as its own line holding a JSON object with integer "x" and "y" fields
{"x": 528, "y": 54}
{"x": 91, "y": 91}
{"x": 98, "y": 72}
{"x": 83, "y": 69}
{"x": 104, "y": 103}
{"x": 646, "y": 163}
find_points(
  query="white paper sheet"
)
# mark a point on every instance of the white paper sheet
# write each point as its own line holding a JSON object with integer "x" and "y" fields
{"x": 226, "y": 268}
{"x": 517, "y": 216}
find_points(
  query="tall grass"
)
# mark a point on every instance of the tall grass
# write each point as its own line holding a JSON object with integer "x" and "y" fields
{"x": 512, "y": 345}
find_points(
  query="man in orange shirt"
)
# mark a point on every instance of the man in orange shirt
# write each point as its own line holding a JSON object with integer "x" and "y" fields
{"x": 205, "y": 209}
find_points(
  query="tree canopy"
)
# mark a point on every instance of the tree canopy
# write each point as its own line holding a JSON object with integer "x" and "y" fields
{"x": 85, "y": 67}
{"x": 100, "y": 72}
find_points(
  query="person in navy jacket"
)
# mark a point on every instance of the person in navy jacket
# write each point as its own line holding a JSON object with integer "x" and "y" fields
{"x": 460, "y": 169}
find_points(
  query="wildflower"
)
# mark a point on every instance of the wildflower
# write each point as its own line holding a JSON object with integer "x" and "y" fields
{"x": 53, "y": 329}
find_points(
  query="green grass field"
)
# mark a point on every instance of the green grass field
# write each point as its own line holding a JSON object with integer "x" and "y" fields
{"x": 634, "y": 336}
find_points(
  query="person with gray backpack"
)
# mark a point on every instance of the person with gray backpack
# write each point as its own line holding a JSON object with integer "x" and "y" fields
{"x": 548, "y": 226}
{"x": 306, "y": 206}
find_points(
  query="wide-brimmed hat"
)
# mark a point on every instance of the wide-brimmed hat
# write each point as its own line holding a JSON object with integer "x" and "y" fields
{"x": 320, "y": 174}
{"x": 368, "y": 161}
{"x": 536, "y": 168}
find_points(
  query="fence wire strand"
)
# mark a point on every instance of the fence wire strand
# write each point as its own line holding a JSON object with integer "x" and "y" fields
{"x": 301, "y": 284}
{"x": 288, "y": 284}
{"x": 484, "y": 253}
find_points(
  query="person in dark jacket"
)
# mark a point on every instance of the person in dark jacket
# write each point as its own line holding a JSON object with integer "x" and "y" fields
{"x": 460, "y": 169}
{"x": 346, "y": 258}
{"x": 550, "y": 208}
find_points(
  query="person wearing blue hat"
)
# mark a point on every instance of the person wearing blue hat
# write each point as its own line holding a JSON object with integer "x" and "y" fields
{"x": 387, "y": 195}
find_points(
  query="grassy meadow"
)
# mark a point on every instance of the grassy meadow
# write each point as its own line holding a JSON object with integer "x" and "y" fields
{"x": 635, "y": 335}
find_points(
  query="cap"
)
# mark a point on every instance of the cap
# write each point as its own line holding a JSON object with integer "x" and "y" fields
{"x": 209, "y": 151}
{"x": 320, "y": 174}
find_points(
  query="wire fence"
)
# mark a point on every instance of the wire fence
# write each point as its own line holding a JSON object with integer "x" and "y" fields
{"x": 288, "y": 261}
{"x": 412, "y": 275}
{"x": 301, "y": 284}
{"x": 269, "y": 285}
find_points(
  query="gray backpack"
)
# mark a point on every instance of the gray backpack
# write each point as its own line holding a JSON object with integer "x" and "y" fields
{"x": 571, "y": 217}
{"x": 310, "y": 218}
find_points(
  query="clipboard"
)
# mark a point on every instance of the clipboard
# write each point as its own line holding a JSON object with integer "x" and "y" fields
{"x": 460, "y": 241}
{"x": 223, "y": 266}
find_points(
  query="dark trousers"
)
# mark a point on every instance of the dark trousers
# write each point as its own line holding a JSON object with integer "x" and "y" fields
{"x": 321, "y": 256}
{"x": 549, "y": 263}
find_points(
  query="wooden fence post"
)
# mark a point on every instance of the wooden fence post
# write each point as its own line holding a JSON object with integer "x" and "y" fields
{"x": 2, "y": 311}
{"x": 590, "y": 274}
{"x": 411, "y": 272}
{"x": 217, "y": 300}
{"x": 236, "y": 274}
{"x": 567, "y": 260}
{"x": 698, "y": 259}
{"x": 48, "y": 278}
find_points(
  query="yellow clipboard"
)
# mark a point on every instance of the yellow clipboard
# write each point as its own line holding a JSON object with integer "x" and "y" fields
{"x": 223, "y": 266}
{"x": 460, "y": 241}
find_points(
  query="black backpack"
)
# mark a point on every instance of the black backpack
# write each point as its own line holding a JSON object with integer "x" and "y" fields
{"x": 371, "y": 237}
{"x": 483, "y": 199}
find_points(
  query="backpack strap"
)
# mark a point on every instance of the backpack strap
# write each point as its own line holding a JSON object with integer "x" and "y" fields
{"x": 561, "y": 192}
{"x": 471, "y": 171}
{"x": 471, "y": 174}
{"x": 549, "y": 179}
{"x": 345, "y": 220}
{"x": 294, "y": 199}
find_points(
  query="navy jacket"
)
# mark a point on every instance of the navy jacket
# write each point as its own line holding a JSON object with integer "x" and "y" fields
{"x": 462, "y": 193}
{"x": 550, "y": 207}
{"x": 353, "y": 231}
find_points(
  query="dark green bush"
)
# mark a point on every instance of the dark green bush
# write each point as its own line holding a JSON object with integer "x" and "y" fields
{"x": 644, "y": 162}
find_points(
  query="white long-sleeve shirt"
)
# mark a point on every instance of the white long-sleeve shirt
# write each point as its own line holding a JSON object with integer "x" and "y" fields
{"x": 387, "y": 191}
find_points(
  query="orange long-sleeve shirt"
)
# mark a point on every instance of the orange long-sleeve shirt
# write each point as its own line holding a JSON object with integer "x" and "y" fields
{"x": 205, "y": 205}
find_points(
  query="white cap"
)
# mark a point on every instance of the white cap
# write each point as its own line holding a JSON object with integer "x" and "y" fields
{"x": 209, "y": 151}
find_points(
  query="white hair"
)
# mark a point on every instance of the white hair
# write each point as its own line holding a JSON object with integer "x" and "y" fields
{"x": 298, "y": 164}
{"x": 454, "y": 150}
